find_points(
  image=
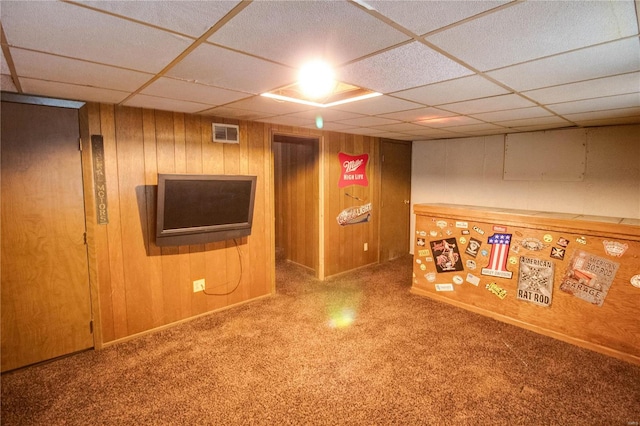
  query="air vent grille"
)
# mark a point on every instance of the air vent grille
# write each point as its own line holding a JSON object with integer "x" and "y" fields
{"x": 226, "y": 133}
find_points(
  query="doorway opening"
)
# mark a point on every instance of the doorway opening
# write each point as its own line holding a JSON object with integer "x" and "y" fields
{"x": 297, "y": 195}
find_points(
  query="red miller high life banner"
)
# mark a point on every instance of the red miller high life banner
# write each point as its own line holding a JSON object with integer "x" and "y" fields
{"x": 354, "y": 170}
{"x": 497, "y": 266}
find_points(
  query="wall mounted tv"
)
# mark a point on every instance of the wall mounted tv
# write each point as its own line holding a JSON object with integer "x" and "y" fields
{"x": 198, "y": 209}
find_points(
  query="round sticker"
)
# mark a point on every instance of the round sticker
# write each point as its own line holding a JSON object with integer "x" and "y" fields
{"x": 463, "y": 240}
{"x": 457, "y": 279}
{"x": 418, "y": 261}
{"x": 635, "y": 281}
{"x": 513, "y": 260}
{"x": 484, "y": 252}
{"x": 423, "y": 267}
{"x": 547, "y": 238}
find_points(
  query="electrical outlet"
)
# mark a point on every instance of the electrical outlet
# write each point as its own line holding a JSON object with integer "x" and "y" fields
{"x": 198, "y": 285}
{"x": 366, "y": 246}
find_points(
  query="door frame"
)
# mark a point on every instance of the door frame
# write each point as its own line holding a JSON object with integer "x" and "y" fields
{"x": 84, "y": 146}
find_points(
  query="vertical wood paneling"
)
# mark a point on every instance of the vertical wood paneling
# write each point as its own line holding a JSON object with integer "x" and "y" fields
{"x": 114, "y": 232}
{"x": 131, "y": 178}
{"x": 344, "y": 248}
{"x": 151, "y": 179}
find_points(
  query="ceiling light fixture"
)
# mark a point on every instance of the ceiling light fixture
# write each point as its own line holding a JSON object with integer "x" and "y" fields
{"x": 317, "y": 87}
{"x": 316, "y": 79}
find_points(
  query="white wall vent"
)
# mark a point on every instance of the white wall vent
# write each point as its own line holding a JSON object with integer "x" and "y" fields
{"x": 226, "y": 133}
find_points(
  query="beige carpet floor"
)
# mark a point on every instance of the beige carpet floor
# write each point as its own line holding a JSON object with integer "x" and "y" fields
{"x": 355, "y": 350}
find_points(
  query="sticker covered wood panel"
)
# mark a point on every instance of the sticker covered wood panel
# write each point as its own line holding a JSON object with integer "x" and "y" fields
{"x": 569, "y": 279}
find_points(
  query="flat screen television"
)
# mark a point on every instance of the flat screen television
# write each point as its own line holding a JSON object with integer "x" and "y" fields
{"x": 199, "y": 208}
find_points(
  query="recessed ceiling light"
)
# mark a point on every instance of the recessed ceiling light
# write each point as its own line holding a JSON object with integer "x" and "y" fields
{"x": 317, "y": 87}
{"x": 316, "y": 79}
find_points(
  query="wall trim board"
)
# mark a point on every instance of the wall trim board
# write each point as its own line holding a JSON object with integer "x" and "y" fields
{"x": 183, "y": 321}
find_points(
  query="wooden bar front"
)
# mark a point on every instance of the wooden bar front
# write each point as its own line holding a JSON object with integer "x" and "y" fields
{"x": 572, "y": 277}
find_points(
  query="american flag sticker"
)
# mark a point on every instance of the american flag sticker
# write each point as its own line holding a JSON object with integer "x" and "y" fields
{"x": 499, "y": 256}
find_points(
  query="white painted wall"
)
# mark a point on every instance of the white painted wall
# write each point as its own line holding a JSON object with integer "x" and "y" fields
{"x": 469, "y": 171}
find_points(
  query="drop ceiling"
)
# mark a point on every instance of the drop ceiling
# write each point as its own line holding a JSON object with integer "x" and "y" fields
{"x": 446, "y": 69}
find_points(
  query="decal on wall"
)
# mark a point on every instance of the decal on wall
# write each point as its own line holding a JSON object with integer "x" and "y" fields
{"x": 497, "y": 290}
{"x": 457, "y": 279}
{"x": 498, "y": 258}
{"x": 354, "y": 169}
{"x": 557, "y": 253}
{"x": 563, "y": 242}
{"x": 431, "y": 276}
{"x": 535, "y": 280}
{"x": 473, "y": 247}
{"x": 100, "y": 179}
{"x": 473, "y": 280}
{"x": 589, "y": 277}
{"x": 420, "y": 242}
{"x": 615, "y": 248}
{"x": 444, "y": 287}
{"x": 635, "y": 281}
{"x": 532, "y": 244}
{"x": 446, "y": 255}
{"x": 353, "y": 215}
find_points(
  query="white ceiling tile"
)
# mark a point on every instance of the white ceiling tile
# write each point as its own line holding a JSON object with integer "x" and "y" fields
{"x": 599, "y": 61}
{"x": 537, "y": 121}
{"x": 434, "y": 133}
{"x": 293, "y": 32}
{"x": 420, "y": 19}
{"x": 473, "y": 128}
{"x": 327, "y": 114}
{"x": 220, "y": 67}
{"x": 165, "y": 104}
{"x": 368, "y": 121}
{"x": 331, "y": 126}
{"x": 460, "y": 89}
{"x": 71, "y": 91}
{"x": 240, "y": 114}
{"x": 610, "y": 102}
{"x": 393, "y": 135}
{"x": 269, "y": 106}
{"x": 56, "y": 68}
{"x": 6, "y": 84}
{"x": 406, "y": 66}
{"x": 513, "y": 114}
{"x": 607, "y": 86}
{"x": 610, "y": 121}
{"x": 288, "y": 120}
{"x": 610, "y": 114}
{"x": 378, "y": 105}
{"x": 186, "y": 91}
{"x": 534, "y": 29}
{"x": 400, "y": 127}
{"x": 494, "y": 103}
{"x": 192, "y": 18}
{"x": 418, "y": 114}
{"x": 538, "y": 127}
{"x": 449, "y": 121}
{"x": 78, "y": 32}
{"x": 363, "y": 131}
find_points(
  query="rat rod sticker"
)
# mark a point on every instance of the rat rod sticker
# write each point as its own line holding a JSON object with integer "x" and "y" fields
{"x": 535, "y": 280}
{"x": 353, "y": 215}
{"x": 447, "y": 256}
{"x": 589, "y": 277}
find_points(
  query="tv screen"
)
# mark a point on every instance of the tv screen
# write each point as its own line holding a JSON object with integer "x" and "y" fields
{"x": 197, "y": 209}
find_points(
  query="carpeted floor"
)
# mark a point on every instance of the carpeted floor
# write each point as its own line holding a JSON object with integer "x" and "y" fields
{"x": 355, "y": 350}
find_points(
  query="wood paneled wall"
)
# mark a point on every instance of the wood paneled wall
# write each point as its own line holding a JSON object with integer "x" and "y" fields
{"x": 140, "y": 285}
{"x": 344, "y": 245}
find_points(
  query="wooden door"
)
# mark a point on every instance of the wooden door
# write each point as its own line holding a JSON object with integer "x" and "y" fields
{"x": 46, "y": 308}
{"x": 395, "y": 195}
